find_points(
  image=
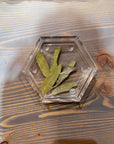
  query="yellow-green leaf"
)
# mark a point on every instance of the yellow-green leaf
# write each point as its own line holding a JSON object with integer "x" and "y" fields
{"x": 50, "y": 80}
{"x": 55, "y": 57}
{"x": 63, "y": 88}
{"x": 66, "y": 72}
{"x": 43, "y": 65}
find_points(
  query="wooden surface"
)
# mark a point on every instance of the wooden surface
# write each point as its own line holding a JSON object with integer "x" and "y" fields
{"x": 23, "y": 118}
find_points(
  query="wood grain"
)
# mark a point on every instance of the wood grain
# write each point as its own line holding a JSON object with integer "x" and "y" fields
{"x": 23, "y": 118}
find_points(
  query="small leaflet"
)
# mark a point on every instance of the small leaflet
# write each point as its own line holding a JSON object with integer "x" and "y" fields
{"x": 63, "y": 88}
{"x": 55, "y": 58}
{"x": 66, "y": 72}
{"x": 42, "y": 63}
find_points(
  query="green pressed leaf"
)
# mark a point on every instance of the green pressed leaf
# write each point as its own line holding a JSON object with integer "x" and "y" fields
{"x": 43, "y": 65}
{"x": 55, "y": 58}
{"x": 63, "y": 88}
{"x": 66, "y": 72}
{"x": 54, "y": 72}
{"x": 50, "y": 80}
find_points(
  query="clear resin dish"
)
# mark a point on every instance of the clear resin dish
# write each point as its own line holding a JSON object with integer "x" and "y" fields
{"x": 71, "y": 49}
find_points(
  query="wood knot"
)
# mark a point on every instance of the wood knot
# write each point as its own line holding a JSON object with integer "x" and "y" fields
{"x": 38, "y": 134}
{"x": 106, "y": 88}
{"x": 4, "y": 142}
{"x": 104, "y": 58}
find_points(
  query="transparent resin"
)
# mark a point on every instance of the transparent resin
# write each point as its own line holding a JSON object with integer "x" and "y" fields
{"x": 71, "y": 49}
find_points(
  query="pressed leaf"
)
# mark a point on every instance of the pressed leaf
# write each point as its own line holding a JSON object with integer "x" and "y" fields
{"x": 66, "y": 72}
{"x": 55, "y": 58}
{"x": 43, "y": 65}
{"x": 50, "y": 80}
{"x": 63, "y": 88}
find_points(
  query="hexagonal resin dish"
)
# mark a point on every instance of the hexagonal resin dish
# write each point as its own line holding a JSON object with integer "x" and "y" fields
{"x": 74, "y": 83}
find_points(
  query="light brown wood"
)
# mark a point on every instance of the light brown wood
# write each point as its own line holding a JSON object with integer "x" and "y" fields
{"x": 23, "y": 118}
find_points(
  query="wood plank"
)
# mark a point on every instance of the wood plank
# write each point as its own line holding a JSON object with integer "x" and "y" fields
{"x": 23, "y": 118}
